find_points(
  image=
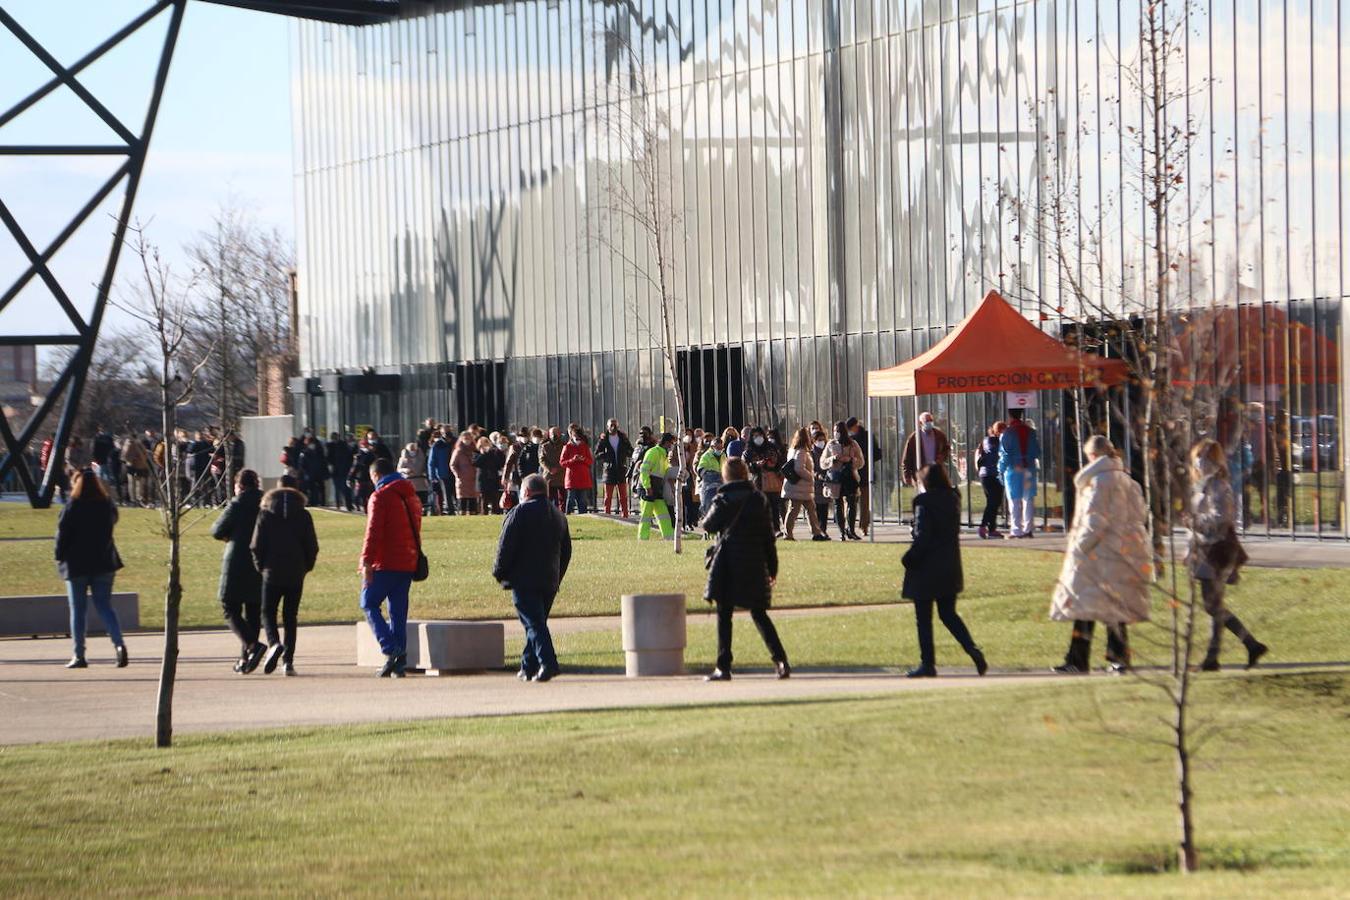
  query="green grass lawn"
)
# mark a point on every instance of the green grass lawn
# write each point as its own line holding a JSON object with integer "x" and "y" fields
{"x": 1012, "y": 792}
{"x": 1302, "y": 614}
{"x": 607, "y": 562}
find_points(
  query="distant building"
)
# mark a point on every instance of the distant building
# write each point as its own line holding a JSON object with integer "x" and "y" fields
{"x": 18, "y": 377}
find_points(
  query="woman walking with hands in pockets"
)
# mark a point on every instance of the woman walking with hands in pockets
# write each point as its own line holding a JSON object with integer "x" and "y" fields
{"x": 933, "y": 574}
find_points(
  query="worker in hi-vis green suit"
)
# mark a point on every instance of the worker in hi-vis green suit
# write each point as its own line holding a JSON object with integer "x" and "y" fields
{"x": 652, "y": 481}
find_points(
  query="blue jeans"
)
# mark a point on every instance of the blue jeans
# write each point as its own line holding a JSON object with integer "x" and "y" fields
{"x": 394, "y": 587}
{"x": 79, "y": 591}
{"x": 533, "y": 608}
{"x": 576, "y": 499}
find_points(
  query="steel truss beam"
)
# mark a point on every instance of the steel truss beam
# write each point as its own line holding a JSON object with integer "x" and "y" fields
{"x": 134, "y": 145}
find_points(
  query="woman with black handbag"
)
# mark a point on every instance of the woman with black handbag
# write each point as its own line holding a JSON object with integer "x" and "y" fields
{"x": 1216, "y": 554}
{"x": 842, "y": 460}
{"x": 742, "y": 565}
{"x": 799, "y": 486}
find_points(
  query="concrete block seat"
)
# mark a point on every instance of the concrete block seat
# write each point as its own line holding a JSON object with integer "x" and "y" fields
{"x": 654, "y": 634}
{"x": 49, "y": 614}
{"x": 441, "y": 647}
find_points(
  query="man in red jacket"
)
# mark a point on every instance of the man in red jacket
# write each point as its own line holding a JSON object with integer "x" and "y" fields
{"x": 388, "y": 561}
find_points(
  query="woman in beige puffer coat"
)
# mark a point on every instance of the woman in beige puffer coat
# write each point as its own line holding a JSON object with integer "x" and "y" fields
{"x": 1108, "y": 563}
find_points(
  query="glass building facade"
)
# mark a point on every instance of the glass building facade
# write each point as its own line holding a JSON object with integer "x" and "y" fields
{"x": 848, "y": 178}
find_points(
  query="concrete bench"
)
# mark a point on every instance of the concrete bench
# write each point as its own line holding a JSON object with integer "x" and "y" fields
{"x": 654, "y": 634}
{"x": 50, "y": 614}
{"x": 441, "y": 648}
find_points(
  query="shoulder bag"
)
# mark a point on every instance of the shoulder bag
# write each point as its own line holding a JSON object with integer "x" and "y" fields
{"x": 423, "y": 570}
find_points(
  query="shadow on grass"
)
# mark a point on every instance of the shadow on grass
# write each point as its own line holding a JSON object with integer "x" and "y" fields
{"x": 1159, "y": 860}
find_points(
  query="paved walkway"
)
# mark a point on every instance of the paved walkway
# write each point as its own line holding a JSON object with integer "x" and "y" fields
{"x": 41, "y": 701}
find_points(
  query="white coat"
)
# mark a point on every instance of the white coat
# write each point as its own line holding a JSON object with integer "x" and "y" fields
{"x": 1108, "y": 564}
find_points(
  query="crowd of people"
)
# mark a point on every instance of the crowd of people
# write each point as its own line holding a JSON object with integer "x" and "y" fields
{"x": 132, "y": 466}
{"x": 737, "y": 499}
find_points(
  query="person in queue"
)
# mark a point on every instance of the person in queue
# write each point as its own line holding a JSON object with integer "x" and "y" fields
{"x": 987, "y": 463}
{"x": 612, "y": 452}
{"x": 841, "y": 461}
{"x": 744, "y": 565}
{"x": 799, "y": 486}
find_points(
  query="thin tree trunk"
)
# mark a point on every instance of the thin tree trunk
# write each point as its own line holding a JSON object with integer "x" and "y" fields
{"x": 173, "y": 592}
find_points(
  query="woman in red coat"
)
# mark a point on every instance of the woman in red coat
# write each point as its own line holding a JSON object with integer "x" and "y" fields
{"x": 577, "y": 460}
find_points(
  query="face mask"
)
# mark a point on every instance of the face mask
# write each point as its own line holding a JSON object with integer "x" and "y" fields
{"x": 820, "y": 445}
{"x": 537, "y": 440}
{"x": 927, "y": 426}
{"x": 688, "y": 439}
{"x": 759, "y": 442}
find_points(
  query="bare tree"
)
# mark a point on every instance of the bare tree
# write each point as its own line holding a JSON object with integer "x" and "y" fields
{"x": 162, "y": 304}
{"x": 116, "y": 393}
{"x": 1157, "y": 312}
{"x": 634, "y": 131}
{"x": 242, "y": 309}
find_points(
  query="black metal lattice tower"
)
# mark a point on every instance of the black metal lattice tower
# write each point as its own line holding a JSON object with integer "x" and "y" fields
{"x": 131, "y": 146}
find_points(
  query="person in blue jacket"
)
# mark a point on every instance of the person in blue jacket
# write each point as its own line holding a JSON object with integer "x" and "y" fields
{"x": 438, "y": 473}
{"x": 1019, "y": 461}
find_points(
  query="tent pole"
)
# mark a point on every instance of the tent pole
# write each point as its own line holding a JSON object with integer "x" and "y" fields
{"x": 871, "y": 474}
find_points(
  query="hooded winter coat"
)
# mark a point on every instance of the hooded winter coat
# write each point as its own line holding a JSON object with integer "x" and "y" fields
{"x": 1108, "y": 563}
{"x": 284, "y": 544}
{"x": 239, "y": 580}
{"x": 746, "y": 557}
{"x": 393, "y": 526}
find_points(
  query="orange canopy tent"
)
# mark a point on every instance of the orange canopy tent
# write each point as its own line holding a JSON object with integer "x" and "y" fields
{"x": 995, "y": 349}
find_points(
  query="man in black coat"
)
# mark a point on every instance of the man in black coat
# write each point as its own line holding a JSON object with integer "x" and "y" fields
{"x": 240, "y": 583}
{"x": 284, "y": 548}
{"x": 338, "y": 454}
{"x": 613, "y": 452}
{"x": 532, "y": 557}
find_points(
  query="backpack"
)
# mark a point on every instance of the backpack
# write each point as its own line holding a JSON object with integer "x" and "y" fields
{"x": 527, "y": 462}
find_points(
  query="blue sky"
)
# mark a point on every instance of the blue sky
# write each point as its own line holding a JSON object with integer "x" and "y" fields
{"x": 223, "y": 130}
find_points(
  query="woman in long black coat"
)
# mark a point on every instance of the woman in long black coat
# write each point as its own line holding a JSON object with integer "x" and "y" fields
{"x": 933, "y": 568}
{"x": 240, "y": 581}
{"x": 744, "y": 564}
